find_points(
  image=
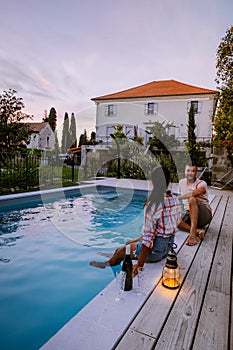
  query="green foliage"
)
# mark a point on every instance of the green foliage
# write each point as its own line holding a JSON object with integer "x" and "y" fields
{"x": 118, "y": 133}
{"x": 73, "y": 136}
{"x": 83, "y": 140}
{"x": 224, "y": 60}
{"x": 19, "y": 171}
{"x": 161, "y": 138}
{"x": 13, "y": 132}
{"x": 196, "y": 155}
{"x": 66, "y": 139}
{"x": 223, "y": 121}
{"x": 52, "y": 119}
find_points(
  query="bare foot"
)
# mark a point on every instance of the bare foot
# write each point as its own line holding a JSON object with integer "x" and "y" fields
{"x": 100, "y": 264}
{"x": 200, "y": 234}
{"x": 191, "y": 241}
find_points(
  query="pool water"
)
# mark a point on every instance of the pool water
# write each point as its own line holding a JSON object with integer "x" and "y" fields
{"x": 45, "y": 250}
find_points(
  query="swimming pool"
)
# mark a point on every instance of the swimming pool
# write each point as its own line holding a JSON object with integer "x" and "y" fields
{"x": 45, "y": 250}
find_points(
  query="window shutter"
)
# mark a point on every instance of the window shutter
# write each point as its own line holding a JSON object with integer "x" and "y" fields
{"x": 199, "y": 107}
{"x": 188, "y": 106}
{"x": 106, "y": 110}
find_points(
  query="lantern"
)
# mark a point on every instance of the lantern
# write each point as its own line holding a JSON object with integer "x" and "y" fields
{"x": 171, "y": 272}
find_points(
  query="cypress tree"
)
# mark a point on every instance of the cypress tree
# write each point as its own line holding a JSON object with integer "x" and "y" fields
{"x": 193, "y": 147}
{"x": 52, "y": 118}
{"x": 65, "y": 134}
{"x": 73, "y": 136}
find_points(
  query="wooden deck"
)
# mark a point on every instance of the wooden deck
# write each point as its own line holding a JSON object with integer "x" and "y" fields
{"x": 198, "y": 315}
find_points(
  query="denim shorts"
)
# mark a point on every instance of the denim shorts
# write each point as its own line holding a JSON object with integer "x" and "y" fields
{"x": 204, "y": 216}
{"x": 159, "y": 251}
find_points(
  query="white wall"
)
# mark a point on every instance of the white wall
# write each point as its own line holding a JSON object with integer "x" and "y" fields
{"x": 44, "y": 139}
{"x": 131, "y": 112}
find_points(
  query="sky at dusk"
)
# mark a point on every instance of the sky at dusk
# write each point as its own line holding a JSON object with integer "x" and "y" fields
{"x": 63, "y": 53}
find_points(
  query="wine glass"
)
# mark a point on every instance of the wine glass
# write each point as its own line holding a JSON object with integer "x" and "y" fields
{"x": 120, "y": 283}
{"x": 140, "y": 281}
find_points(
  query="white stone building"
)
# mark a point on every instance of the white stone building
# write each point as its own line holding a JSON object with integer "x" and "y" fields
{"x": 42, "y": 136}
{"x": 139, "y": 107}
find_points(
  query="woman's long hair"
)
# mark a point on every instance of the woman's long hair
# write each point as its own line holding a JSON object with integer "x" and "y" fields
{"x": 160, "y": 178}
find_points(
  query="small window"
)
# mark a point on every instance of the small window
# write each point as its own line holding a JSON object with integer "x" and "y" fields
{"x": 110, "y": 110}
{"x": 196, "y": 106}
{"x": 151, "y": 108}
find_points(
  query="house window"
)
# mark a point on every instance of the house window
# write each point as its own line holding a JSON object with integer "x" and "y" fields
{"x": 47, "y": 141}
{"x": 151, "y": 108}
{"x": 196, "y": 106}
{"x": 110, "y": 110}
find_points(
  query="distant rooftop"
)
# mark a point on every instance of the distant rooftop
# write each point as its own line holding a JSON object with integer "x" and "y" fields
{"x": 157, "y": 88}
{"x": 36, "y": 126}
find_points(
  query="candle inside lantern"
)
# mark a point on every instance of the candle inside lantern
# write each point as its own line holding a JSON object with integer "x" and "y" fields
{"x": 171, "y": 271}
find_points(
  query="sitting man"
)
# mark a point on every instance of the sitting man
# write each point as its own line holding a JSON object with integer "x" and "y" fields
{"x": 193, "y": 192}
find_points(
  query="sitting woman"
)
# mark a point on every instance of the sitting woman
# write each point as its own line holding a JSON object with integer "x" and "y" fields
{"x": 162, "y": 214}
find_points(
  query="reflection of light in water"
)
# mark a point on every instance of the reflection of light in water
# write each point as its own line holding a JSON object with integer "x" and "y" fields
{"x": 99, "y": 219}
{"x": 105, "y": 219}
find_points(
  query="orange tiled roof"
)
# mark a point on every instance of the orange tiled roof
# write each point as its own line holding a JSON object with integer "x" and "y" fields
{"x": 157, "y": 88}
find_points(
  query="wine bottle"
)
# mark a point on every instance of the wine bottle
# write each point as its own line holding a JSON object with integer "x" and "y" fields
{"x": 127, "y": 266}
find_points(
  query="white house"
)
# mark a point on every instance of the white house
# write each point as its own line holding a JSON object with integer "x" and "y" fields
{"x": 42, "y": 136}
{"x": 139, "y": 107}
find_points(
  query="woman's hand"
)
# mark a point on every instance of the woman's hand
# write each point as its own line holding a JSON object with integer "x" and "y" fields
{"x": 135, "y": 269}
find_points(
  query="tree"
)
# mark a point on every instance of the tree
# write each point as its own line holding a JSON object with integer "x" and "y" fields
{"x": 13, "y": 132}
{"x": 83, "y": 138}
{"x": 93, "y": 136}
{"x": 56, "y": 145}
{"x": 73, "y": 136}
{"x": 65, "y": 144}
{"x": 52, "y": 119}
{"x": 223, "y": 121}
{"x": 160, "y": 136}
{"x": 224, "y": 63}
{"x": 118, "y": 133}
{"x": 193, "y": 147}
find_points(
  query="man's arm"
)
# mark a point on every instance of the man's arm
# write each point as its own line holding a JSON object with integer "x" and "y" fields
{"x": 194, "y": 193}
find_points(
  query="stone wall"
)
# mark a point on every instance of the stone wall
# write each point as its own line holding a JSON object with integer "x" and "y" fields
{"x": 221, "y": 164}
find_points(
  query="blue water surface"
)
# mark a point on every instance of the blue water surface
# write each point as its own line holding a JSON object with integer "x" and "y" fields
{"x": 45, "y": 250}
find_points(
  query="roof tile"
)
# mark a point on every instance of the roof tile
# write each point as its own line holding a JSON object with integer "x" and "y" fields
{"x": 157, "y": 88}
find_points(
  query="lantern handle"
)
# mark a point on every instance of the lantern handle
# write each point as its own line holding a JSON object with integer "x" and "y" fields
{"x": 172, "y": 246}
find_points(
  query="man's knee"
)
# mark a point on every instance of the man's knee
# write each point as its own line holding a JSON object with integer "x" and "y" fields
{"x": 193, "y": 201}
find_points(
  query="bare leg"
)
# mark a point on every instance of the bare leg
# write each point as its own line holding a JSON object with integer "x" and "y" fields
{"x": 183, "y": 226}
{"x": 194, "y": 232}
{"x": 193, "y": 212}
{"x": 107, "y": 255}
{"x": 117, "y": 257}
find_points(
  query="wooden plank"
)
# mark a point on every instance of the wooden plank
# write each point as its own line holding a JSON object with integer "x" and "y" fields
{"x": 136, "y": 340}
{"x": 212, "y": 331}
{"x": 179, "y": 330}
{"x": 160, "y": 302}
{"x": 220, "y": 280}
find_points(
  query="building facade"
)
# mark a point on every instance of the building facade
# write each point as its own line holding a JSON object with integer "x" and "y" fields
{"x": 168, "y": 101}
{"x": 42, "y": 136}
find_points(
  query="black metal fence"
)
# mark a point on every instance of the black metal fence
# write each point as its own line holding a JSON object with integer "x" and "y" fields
{"x": 27, "y": 172}
{"x": 18, "y": 171}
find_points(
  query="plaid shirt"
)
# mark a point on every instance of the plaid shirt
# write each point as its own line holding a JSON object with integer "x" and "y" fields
{"x": 161, "y": 222}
